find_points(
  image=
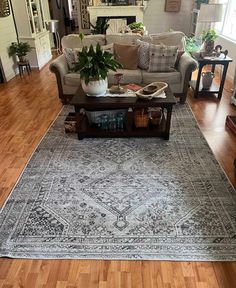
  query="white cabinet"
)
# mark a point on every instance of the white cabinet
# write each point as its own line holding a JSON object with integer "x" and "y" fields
{"x": 30, "y": 22}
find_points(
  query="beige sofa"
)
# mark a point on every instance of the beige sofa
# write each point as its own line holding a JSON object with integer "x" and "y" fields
{"x": 178, "y": 80}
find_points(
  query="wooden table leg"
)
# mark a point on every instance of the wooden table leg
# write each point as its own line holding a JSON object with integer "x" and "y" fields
{"x": 223, "y": 79}
{"x": 168, "y": 121}
{"x": 198, "y": 80}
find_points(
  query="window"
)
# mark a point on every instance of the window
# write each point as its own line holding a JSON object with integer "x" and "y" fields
{"x": 228, "y": 27}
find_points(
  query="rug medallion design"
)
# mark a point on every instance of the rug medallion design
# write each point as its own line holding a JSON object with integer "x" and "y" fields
{"x": 122, "y": 199}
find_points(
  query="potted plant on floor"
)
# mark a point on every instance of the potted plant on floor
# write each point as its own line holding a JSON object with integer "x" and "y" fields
{"x": 209, "y": 37}
{"x": 20, "y": 49}
{"x": 93, "y": 65}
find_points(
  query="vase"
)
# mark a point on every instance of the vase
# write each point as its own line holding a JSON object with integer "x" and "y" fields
{"x": 95, "y": 87}
{"x": 207, "y": 78}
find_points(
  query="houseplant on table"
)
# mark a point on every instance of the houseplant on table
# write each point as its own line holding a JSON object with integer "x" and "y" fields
{"x": 20, "y": 49}
{"x": 137, "y": 27}
{"x": 93, "y": 65}
{"x": 209, "y": 37}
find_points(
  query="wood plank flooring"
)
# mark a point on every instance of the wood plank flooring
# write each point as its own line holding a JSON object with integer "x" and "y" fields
{"x": 27, "y": 108}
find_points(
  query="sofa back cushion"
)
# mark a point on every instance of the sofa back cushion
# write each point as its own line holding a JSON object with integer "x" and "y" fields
{"x": 122, "y": 38}
{"x": 127, "y": 55}
{"x": 162, "y": 58}
{"x": 174, "y": 38}
{"x": 73, "y": 41}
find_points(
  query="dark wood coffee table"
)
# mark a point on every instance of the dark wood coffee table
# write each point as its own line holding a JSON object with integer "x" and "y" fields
{"x": 80, "y": 100}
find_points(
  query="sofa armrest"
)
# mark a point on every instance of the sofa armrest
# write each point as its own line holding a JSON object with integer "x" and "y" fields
{"x": 186, "y": 66}
{"x": 60, "y": 68}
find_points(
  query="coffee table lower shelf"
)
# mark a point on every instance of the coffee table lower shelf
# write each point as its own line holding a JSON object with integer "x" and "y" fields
{"x": 85, "y": 130}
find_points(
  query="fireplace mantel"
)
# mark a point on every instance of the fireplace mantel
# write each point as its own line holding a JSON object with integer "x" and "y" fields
{"x": 106, "y": 11}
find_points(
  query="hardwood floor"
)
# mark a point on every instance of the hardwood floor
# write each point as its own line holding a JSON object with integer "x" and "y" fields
{"x": 27, "y": 108}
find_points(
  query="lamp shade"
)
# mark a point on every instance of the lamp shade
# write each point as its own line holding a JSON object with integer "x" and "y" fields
{"x": 211, "y": 13}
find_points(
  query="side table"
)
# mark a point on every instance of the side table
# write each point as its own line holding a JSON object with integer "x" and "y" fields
{"x": 196, "y": 85}
{"x": 22, "y": 64}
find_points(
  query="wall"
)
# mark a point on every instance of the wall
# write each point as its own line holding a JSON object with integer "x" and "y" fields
{"x": 231, "y": 47}
{"x": 7, "y": 36}
{"x": 60, "y": 14}
{"x": 157, "y": 20}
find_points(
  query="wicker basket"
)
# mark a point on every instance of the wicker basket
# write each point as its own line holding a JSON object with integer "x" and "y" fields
{"x": 141, "y": 118}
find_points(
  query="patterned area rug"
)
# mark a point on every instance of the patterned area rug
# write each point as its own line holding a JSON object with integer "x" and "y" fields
{"x": 122, "y": 199}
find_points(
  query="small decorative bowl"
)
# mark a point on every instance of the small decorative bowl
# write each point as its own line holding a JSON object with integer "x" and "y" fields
{"x": 150, "y": 89}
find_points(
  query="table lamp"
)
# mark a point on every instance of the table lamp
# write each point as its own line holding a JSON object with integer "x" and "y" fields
{"x": 210, "y": 13}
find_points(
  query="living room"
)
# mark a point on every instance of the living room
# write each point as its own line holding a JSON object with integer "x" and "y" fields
{"x": 104, "y": 207}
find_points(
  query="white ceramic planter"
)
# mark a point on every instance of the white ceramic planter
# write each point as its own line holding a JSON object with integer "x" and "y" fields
{"x": 95, "y": 87}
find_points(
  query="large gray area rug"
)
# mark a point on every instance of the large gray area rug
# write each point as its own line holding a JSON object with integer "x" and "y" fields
{"x": 122, "y": 199}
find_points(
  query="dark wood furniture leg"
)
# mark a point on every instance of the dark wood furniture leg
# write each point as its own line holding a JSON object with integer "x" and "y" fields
{"x": 223, "y": 79}
{"x": 20, "y": 70}
{"x": 168, "y": 121}
{"x": 198, "y": 80}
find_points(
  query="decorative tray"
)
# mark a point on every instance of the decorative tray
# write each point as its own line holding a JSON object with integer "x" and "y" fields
{"x": 153, "y": 90}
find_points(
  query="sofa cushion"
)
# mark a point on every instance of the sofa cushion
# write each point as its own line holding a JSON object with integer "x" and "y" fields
{"x": 147, "y": 38}
{"x": 162, "y": 58}
{"x": 174, "y": 38}
{"x": 143, "y": 54}
{"x": 73, "y": 41}
{"x": 72, "y": 79}
{"x": 168, "y": 77}
{"x": 121, "y": 38}
{"x": 130, "y": 76}
{"x": 127, "y": 55}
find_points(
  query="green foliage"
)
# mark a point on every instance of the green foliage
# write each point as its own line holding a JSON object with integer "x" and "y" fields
{"x": 101, "y": 26}
{"x": 94, "y": 63}
{"x": 81, "y": 36}
{"x": 199, "y": 2}
{"x": 20, "y": 49}
{"x": 209, "y": 35}
{"x": 192, "y": 44}
{"x": 136, "y": 25}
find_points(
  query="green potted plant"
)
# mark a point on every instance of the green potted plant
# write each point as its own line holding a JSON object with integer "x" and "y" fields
{"x": 193, "y": 46}
{"x": 137, "y": 27}
{"x": 100, "y": 27}
{"x": 209, "y": 37}
{"x": 20, "y": 49}
{"x": 199, "y": 2}
{"x": 93, "y": 65}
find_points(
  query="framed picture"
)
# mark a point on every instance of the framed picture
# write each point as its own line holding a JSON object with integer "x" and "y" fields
{"x": 172, "y": 5}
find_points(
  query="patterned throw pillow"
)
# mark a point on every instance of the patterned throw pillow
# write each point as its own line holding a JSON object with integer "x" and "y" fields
{"x": 71, "y": 56}
{"x": 143, "y": 54}
{"x": 162, "y": 58}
